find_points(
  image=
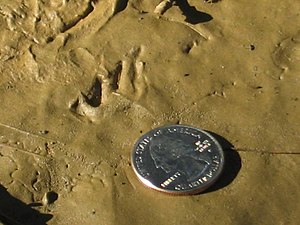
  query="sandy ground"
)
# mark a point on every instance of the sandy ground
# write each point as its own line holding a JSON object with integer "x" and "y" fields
{"x": 81, "y": 80}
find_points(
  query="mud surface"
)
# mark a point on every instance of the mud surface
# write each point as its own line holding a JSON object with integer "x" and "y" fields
{"x": 81, "y": 80}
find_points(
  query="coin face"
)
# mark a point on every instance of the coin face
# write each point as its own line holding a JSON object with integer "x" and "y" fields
{"x": 178, "y": 159}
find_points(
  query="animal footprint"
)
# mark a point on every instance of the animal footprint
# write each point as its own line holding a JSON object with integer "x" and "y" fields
{"x": 125, "y": 80}
{"x": 132, "y": 83}
{"x": 86, "y": 103}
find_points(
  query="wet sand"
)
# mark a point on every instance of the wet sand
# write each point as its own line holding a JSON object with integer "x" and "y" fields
{"x": 81, "y": 81}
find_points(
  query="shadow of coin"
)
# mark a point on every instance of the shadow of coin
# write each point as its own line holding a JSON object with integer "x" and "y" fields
{"x": 232, "y": 164}
{"x": 15, "y": 212}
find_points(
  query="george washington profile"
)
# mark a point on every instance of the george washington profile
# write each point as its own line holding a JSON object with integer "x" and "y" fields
{"x": 173, "y": 155}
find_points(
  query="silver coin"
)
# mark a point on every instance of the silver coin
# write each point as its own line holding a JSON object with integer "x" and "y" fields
{"x": 178, "y": 159}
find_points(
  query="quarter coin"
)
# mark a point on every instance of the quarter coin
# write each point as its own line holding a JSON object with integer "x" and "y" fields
{"x": 178, "y": 159}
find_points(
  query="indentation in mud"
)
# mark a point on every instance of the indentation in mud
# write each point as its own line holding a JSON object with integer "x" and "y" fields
{"x": 74, "y": 105}
{"x": 132, "y": 83}
{"x": 186, "y": 48}
{"x": 93, "y": 97}
{"x": 120, "y": 6}
{"x": 287, "y": 53}
{"x": 49, "y": 198}
{"x": 115, "y": 75}
{"x": 125, "y": 80}
{"x": 87, "y": 103}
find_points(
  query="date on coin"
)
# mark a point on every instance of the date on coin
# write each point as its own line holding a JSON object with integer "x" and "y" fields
{"x": 178, "y": 159}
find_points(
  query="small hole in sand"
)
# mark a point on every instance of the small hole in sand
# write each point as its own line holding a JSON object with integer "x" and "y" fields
{"x": 44, "y": 131}
{"x": 50, "y": 197}
{"x": 187, "y": 48}
{"x": 49, "y": 39}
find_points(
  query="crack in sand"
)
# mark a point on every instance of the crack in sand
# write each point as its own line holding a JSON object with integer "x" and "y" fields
{"x": 22, "y": 150}
{"x": 23, "y": 131}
